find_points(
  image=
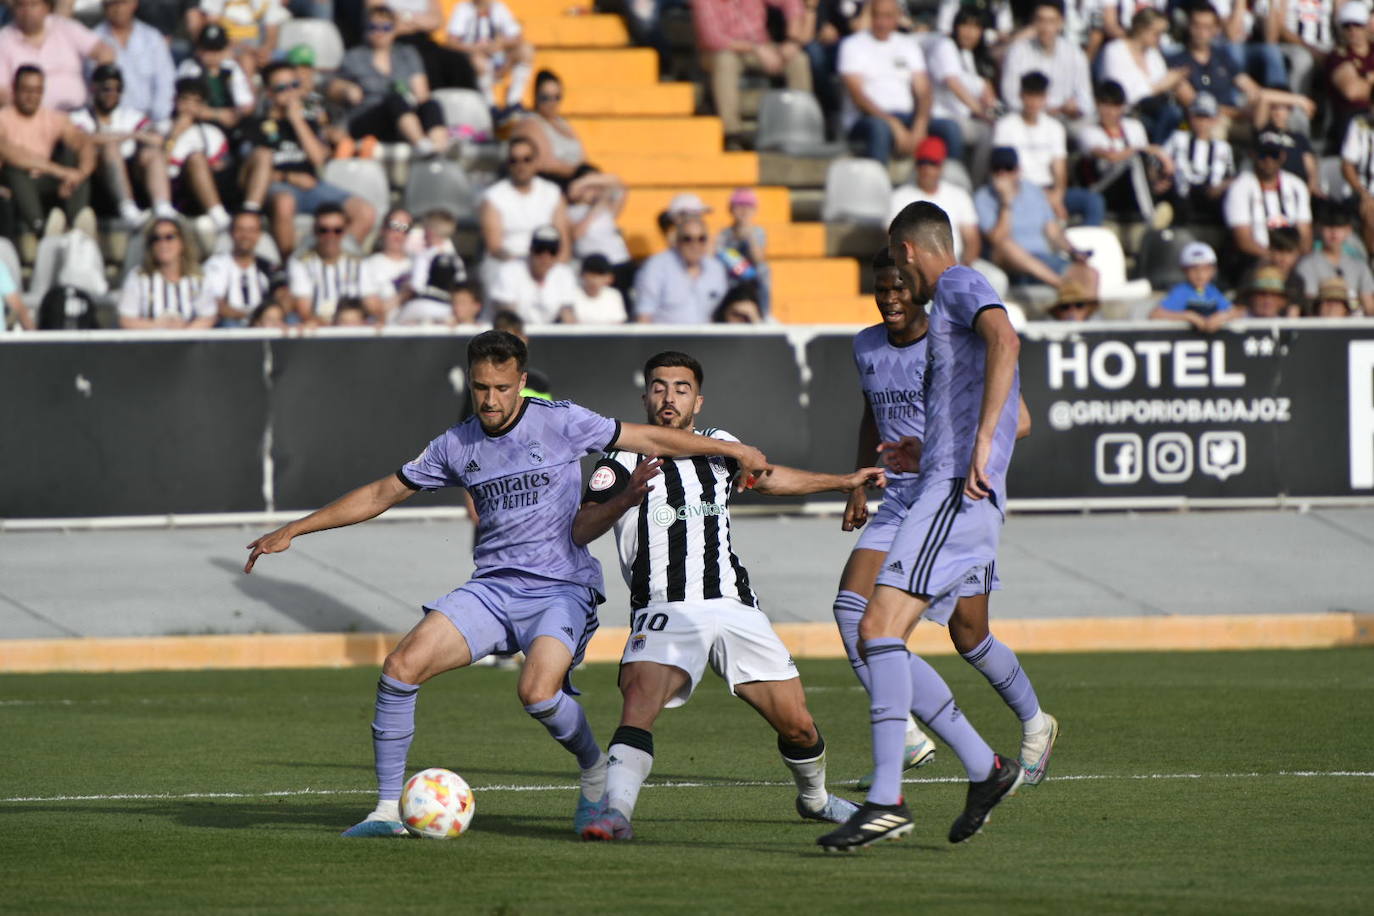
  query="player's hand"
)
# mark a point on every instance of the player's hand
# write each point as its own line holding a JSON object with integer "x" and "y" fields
{"x": 976, "y": 484}
{"x": 864, "y": 478}
{"x": 643, "y": 476}
{"x": 902, "y": 456}
{"x": 753, "y": 464}
{"x": 272, "y": 542}
{"x": 855, "y": 510}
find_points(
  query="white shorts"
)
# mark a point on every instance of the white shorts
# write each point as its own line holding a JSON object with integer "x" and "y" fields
{"x": 737, "y": 640}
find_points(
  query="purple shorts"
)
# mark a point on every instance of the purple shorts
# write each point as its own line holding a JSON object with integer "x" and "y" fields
{"x": 502, "y": 615}
{"x": 946, "y": 547}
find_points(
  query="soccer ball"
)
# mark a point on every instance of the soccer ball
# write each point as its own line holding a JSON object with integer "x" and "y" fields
{"x": 437, "y": 804}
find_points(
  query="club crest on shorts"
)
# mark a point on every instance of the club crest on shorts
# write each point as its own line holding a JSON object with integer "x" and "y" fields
{"x": 536, "y": 452}
{"x": 602, "y": 478}
{"x": 637, "y": 642}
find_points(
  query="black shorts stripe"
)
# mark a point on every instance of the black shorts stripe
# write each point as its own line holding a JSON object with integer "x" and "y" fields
{"x": 944, "y": 523}
{"x": 710, "y": 558}
{"x": 675, "y": 497}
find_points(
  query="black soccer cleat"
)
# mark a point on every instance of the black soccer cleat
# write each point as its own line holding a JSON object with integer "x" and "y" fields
{"x": 984, "y": 796}
{"x": 870, "y": 824}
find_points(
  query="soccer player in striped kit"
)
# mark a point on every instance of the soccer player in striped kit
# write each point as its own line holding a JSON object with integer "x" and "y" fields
{"x": 950, "y": 532}
{"x": 533, "y": 590}
{"x": 891, "y": 361}
{"x": 691, "y": 603}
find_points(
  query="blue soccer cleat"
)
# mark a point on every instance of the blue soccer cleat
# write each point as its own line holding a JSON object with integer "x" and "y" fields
{"x": 587, "y": 811}
{"x": 836, "y": 810}
{"x": 376, "y": 828}
{"x": 611, "y": 825}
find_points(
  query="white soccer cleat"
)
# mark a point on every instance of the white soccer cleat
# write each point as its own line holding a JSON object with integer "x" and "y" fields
{"x": 917, "y": 755}
{"x": 1036, "y": 748}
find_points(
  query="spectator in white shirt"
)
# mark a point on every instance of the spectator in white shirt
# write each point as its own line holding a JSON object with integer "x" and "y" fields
{"x": 1137, "y": 64}
{"x": 1042, "y": 148}
{"x": 392, "y": 263}
{"x": 887, "y": 94}
{"x": 1263, "y": 200}
{"x": 320, "y": 278}
{"x": 964, "y": 99}
{"x": 540, "y": 289}
{"x": 1045, "y": 49}
{"x": 239, "y": 278}
{"x": 514, "y": 207}
{"x": 1120, "y": 151}
{"x": 597, "y": 301}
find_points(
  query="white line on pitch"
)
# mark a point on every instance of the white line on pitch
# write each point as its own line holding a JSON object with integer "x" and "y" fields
{"x": 1081, "y": 777}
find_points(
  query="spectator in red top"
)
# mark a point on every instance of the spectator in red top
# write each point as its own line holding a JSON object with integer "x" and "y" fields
{"x": 58, "y": 46}
{"x": 732, "y": 35}
{"x": 1351, "y": 69}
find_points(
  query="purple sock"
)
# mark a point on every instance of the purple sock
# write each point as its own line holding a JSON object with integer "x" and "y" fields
{"x": 1000, "y": 666}
{"x": 890, "y": 688}
{"x": 849, "y": 608}
{"x": 565, "y": 720}
{"x": 933, "y": 704}
{"x": 393, "y": 726}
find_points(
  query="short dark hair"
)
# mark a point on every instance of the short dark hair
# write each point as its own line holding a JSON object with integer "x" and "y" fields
{"x": 499, "y": 347}
{"x": 1110, "y": 92}
{"x": 1333, "y": 214}
{"x": 329, "y": 208}
{"x": 1202, "y": 6}
{"x": 670, "y": 359}
{"x": 925, "y": 225}
{"x": 506, "y": 320}
{"x": 969, "y": 14}
{"x": 526, "y": 141}
{"x": 882, "y": 259}
{"x": 24, "y": 70}
{"x": 240, "y": 214}
{"x": 275, "y": 66}
{"x": 192, "y": 85}
{"x": 349, "y": 304}
{"x": 545, "y": 76}
{"x": 1057, "y": 5}
{"x": 1284, "y": 238}
{"x": 1035, "y": 83}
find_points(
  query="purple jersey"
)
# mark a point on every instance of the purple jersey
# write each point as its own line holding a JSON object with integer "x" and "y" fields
{"x": 955, "y": 361}
{"x": 525, "y": 482}
{"x": 892, "y": 378}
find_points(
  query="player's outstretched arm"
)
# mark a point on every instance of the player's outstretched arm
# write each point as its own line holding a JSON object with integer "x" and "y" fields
{"x": 366, "y": 502}
{"x": 1004, "y": 347}
{"x": 596, "y": 518}
{"x": 677, "y": 443}
{"x": 785, "y": 481}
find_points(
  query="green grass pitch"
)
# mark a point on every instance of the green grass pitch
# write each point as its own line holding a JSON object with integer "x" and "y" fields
{"x": 1206, "y": 783}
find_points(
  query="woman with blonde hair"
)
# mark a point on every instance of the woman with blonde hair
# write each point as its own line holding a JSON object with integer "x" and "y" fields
{"x": 1137, "y": 64}
{"x": 168, "y": 289}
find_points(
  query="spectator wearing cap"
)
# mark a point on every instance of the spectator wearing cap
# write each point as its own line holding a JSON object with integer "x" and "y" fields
{"x": 514, "y": 207}
{"x": 963, "y": 97}
{"x": 1332, "y": 301}
{"x": 1266, "y": 295}
{"x": 386, "y": 92}
{"x": 1351, "y": 69}
{"x": 1197, "y": 300}
{"x": 1044, "y": 49}
{"x": 491, "y": 37}
{"x": 59, "y": 47}
{"x": 1264, "y": 199}
{"x": 393, "y": 263}
{"x": 597, "y": 301}
{"x": 443, "y": 298}
{"x": 252, "y": 27}
{"x": 1075, "y": 302}
{"x": 325, "y": 274}
{"x": 1042, "y": 149}
{"x": 1298, "y": 158}
{"x": 684, "y": 284}
{"x": 130, "y": 150}
{"x": 539, "y": 288}
{"x": 1137, "y": 64}
{"x": 302, "y": 57}
{"x": 887, "y": 93}
{"x": 1121, "y": 151}
{"x": 1019, "y": 224}
{"x": 288, "y": 154}
{"x": 732, "y": 37}
{"x": 743, "y": 247}
{"x": 228, "y": 96}
{"x": 199, "y": 163}
{"x": 928, "y": 184}
{"x": 49, "y": 161}
{"x": 1333, "y": 259}
{"x": 142, "y": 55}
{"x": 1204, "y": 165}
{"x": 239, "y": 278}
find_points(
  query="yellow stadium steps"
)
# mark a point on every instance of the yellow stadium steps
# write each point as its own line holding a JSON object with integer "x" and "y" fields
{"x": 615, "y": 68}
{"x": 815, "y": 278}
{"x": 730, "y": 170}
{"x": 650, "y": 136}
{"x": 850, "y": 309}
{"x": 528, "y": 10}
{"x": 639, "y": 220}
{"x": 654, "y": 100}
{"x": 592, "y": 31}
{"x": 796, "y": 240}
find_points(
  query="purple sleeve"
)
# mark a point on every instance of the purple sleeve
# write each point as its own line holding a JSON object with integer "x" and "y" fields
{"x": 587, "y": 431}
{"x": 430, "y": 470}
{"x": 965, "y": 305}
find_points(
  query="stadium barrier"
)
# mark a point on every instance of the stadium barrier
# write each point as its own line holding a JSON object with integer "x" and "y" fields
{"x": 98, "y": 424}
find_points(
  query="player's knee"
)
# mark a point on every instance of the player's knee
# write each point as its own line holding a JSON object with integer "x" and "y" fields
{"x": 532, "y": 693}
{"x": 401, "y": 666}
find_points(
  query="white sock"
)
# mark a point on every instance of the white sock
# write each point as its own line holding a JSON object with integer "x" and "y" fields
{"x": 519, "y": 79}
{"x": 219, "y": 216}
{"x": 628, "y": 769}
{"x": 594, "y": 780}
{"x": 1036, "y": 723}
{"x": 914, "y": 735}
{"x": 484, "y": 83}
{"x": 388, "y": 809}
{"x": 809, "y": 775}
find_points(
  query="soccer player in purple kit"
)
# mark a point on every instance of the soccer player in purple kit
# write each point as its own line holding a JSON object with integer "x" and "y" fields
{"x": 950, "y": 532}
{"x": 533, "y": 589}
{"x": 890, "y": 358}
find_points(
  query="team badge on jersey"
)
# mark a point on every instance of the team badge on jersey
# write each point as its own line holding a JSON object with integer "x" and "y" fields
{"x": 536, "y": 452}
{"x": 637, "y": 643}
{"x": 602, "y": 479}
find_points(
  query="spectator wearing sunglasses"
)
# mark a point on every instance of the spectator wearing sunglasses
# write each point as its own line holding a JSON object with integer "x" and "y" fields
{"x": 143, "y": 57}
{"x": 1263, "y": 200}
{"x": 323, "y": 276}
{"x": 167, "y": 291}
{"x": 684, "y": 284}
{"x": 393, "y": 261}
{"x": 288, "y": 154}
{"x": 514, "y": 207}
{"x": 384, "y": 87}
{"x": 559, "y": 155}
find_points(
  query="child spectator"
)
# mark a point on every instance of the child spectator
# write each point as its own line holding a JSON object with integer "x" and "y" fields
{"x": 1197, "y": 301}
{"x": 743, "y": 246}
{"x": 350, "y": 313}
{"x": 443, "y": 298}
{"x": 1204, "y": 165}
{"x": 439, "y": 224}
{"x": 1333, "y": 260}
{"x": 228, "y": 96}
{"x": 740, "y": 306}
{"x": 251, "y": 27}
{"x": 199, "y": 164}
{"x": 268, "y": 315}
{"x": 597, "y": 300}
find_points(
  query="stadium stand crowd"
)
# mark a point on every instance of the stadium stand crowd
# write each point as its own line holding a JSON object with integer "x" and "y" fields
{"x": 229, "y": 163}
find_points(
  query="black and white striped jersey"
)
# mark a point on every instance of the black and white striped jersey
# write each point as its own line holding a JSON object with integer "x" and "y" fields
{"x": 150, "y": 295}
{"x": 243, "y": 288}
{"x": 675, "y": 545}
